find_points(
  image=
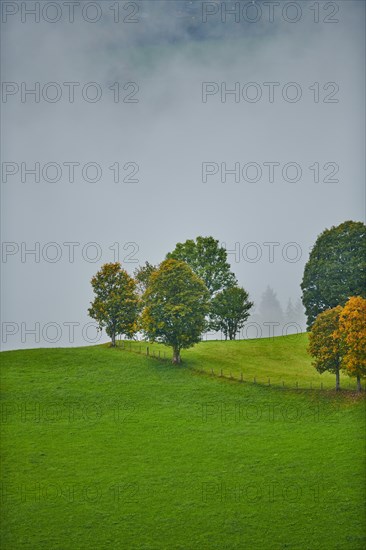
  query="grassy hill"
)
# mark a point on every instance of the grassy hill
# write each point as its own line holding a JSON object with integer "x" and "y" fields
{"x": 103, "y": 448}
{"x": 282, "y": 360}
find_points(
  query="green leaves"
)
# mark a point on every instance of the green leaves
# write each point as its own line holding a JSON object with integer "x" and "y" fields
{"x": 116, "y": 304}
{"x": 207, "y": 260}
{"x": 142, "y": 275}
{"x": 176, "y": 303}
{"x": 229, "y": 311}
{"x": 336, "y": 269}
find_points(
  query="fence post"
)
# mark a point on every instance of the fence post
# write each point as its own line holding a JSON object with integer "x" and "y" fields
{"x": 147, "y": 351}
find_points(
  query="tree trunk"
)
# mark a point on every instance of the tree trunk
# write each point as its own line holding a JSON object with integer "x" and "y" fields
{"x": 338, "y": 386}
{"x": 359, "y": 388}
{"x": 176, "y": 356}
{"x": 113, "y": 342}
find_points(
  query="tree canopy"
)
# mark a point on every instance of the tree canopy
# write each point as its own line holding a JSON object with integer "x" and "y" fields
{"x": 324, "y": 342}
{"x": 142, "y": 276}
{"x": 352, "y": 332}
{"x": 229, "y": 311}
{"x": 336, "y": 269}
{"x": 208, "y": 260}
{"x": 175, "y": 305}
{"x": 116, "y": 303}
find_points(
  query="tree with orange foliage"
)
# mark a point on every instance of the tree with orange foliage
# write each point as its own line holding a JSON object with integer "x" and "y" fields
{"x": 352, "y": 332}
{"x": 325, "y": 342}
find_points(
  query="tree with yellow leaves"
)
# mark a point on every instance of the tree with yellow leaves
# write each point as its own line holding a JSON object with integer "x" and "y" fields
{"x": 325, "y": 342}
{"x": 352, "y": 333}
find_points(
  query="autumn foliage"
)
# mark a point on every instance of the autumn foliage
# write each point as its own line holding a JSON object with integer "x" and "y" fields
{"x": 324, "y": 342}
{"x": 352, "y": 331}
{"x": 338, "y": 340}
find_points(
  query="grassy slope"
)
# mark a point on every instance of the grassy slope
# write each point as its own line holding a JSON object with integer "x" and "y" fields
{"x": 282, "y": 359}
{"x": 199, "y": 463}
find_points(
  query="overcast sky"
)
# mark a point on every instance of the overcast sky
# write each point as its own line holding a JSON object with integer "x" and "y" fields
{"x": 170, "y": 131}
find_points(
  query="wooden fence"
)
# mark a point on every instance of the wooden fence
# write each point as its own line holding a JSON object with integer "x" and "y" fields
{"x": 143, "y": 349}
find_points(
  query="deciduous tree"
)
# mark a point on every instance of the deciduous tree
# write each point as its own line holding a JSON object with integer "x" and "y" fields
{"x": 175, "y": 306}
{"x": 336, "y": 269}
{"x": 142, "y": 275}
{"x": 208, "y": 260}
{"x": 229, "y": 311}
{"x": 352, "y": 332}
{"x": 116, "y": 303}
{"x": 325, "y": 342}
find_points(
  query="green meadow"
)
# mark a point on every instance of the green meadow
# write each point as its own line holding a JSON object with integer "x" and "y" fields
{"x": 108, "y": 448}
{"x": 282, "y": 361}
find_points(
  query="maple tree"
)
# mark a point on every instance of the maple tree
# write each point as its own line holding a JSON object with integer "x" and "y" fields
{"x": 352, "y": 333}
{"x": 325, "y": 342}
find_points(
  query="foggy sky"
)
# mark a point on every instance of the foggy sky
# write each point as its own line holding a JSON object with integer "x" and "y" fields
{"x": 169, "y": 133}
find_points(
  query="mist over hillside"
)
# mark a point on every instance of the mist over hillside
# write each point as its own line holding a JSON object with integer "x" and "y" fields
{"x": 173, "y": 120}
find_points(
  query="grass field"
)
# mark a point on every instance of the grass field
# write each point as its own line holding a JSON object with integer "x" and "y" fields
{"x": 103, "y": 448}
{"x": 282, "y": 359}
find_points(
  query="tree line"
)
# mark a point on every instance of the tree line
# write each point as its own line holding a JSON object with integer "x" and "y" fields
{"x": 190, "y": 292}
{"x": 193, "y": 290}
{"x": 334, "y": 292}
